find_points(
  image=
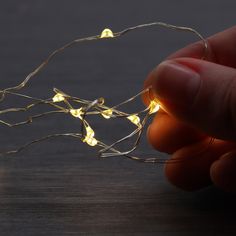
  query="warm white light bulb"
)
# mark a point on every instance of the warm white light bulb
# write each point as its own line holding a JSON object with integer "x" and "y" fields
{"x": 134, "y": 119}
{"x": 90, "y": 132}
{"x": 89, "y": 138}
{"x": 107, "y": 113}
{"x": 58, "y": 98}
{"x": 91, "y": 141}
{"x": 107, "y": 33}
{"x": 154, "y": 106}
{"x": 77, "y": 113}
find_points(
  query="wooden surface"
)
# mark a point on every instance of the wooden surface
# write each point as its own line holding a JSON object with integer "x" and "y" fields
{"x": 61, "y": 187}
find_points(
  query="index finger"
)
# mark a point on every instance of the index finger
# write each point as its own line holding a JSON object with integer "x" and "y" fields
{"x": 221, "y": 50}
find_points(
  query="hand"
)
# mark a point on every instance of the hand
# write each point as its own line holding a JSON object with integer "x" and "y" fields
{"x": 198, "y": 98}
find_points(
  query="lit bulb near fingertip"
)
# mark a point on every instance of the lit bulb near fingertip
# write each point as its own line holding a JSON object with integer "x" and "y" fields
{"x": 154, "y": 106}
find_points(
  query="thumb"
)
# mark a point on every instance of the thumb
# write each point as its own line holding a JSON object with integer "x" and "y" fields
{"x": 198, "y": 92}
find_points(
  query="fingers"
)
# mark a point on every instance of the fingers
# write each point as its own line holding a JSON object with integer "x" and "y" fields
{"x": 189, "y": 167}
{"x": 166, "y": 134}
{"x": 221, "y": 49}
{"x": 195, "y": 50}
{"x": 223, "y": 172}
{"x": 200, "y": 93}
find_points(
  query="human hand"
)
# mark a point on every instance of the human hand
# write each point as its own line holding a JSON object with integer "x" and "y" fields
{"x": 198, "y": 98}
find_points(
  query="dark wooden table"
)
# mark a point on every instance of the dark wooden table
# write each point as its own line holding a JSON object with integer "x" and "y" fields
{"x": 60, "y": 187}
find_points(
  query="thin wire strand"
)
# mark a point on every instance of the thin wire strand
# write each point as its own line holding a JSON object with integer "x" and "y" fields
{"x": 97, "y": 37}
{"x": 50, "y": 136}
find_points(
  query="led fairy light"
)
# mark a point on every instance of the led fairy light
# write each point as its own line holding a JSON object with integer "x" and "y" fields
{"x": 58, "y": 98}
{"x": 77, "y": 113}
{"x": 62, "y": 103}
{"x": 107, "y": 114}
{"x": 134, "y": 119}
{"x": 107, "y": 33}
{"x": 154, "y": 106}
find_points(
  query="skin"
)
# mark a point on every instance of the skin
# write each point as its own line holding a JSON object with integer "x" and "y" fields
{"x": 198, "y": 100}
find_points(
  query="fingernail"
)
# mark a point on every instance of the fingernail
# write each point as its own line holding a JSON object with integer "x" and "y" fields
{"x": 176, "y": 83}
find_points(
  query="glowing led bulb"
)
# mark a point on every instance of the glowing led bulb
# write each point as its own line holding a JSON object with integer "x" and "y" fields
{"x": 90, "y": 132}
{"x": 107, "y": 33}
{"x": 154, "y": 106}
{"x": 91, "y": 141}
{"x": 107, "y": 113}
{"x": 58, "y": 98}
{"x": 77, "y": 113}
{"x": 89, "y": 138}
{"x": 134, "y": 119}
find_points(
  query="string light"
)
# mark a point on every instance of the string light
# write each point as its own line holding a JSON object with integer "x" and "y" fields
{"x": 77, "y": 113}
{"x": 107, "y": 114}
{"x": 58, "y": 98}
{"x": 62, "y": 103}
{"x": 107, "y": 33}
{"x": 154, "y": 106}
{"x": 134, "y": 119}
{"x": 89, "y": 138}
